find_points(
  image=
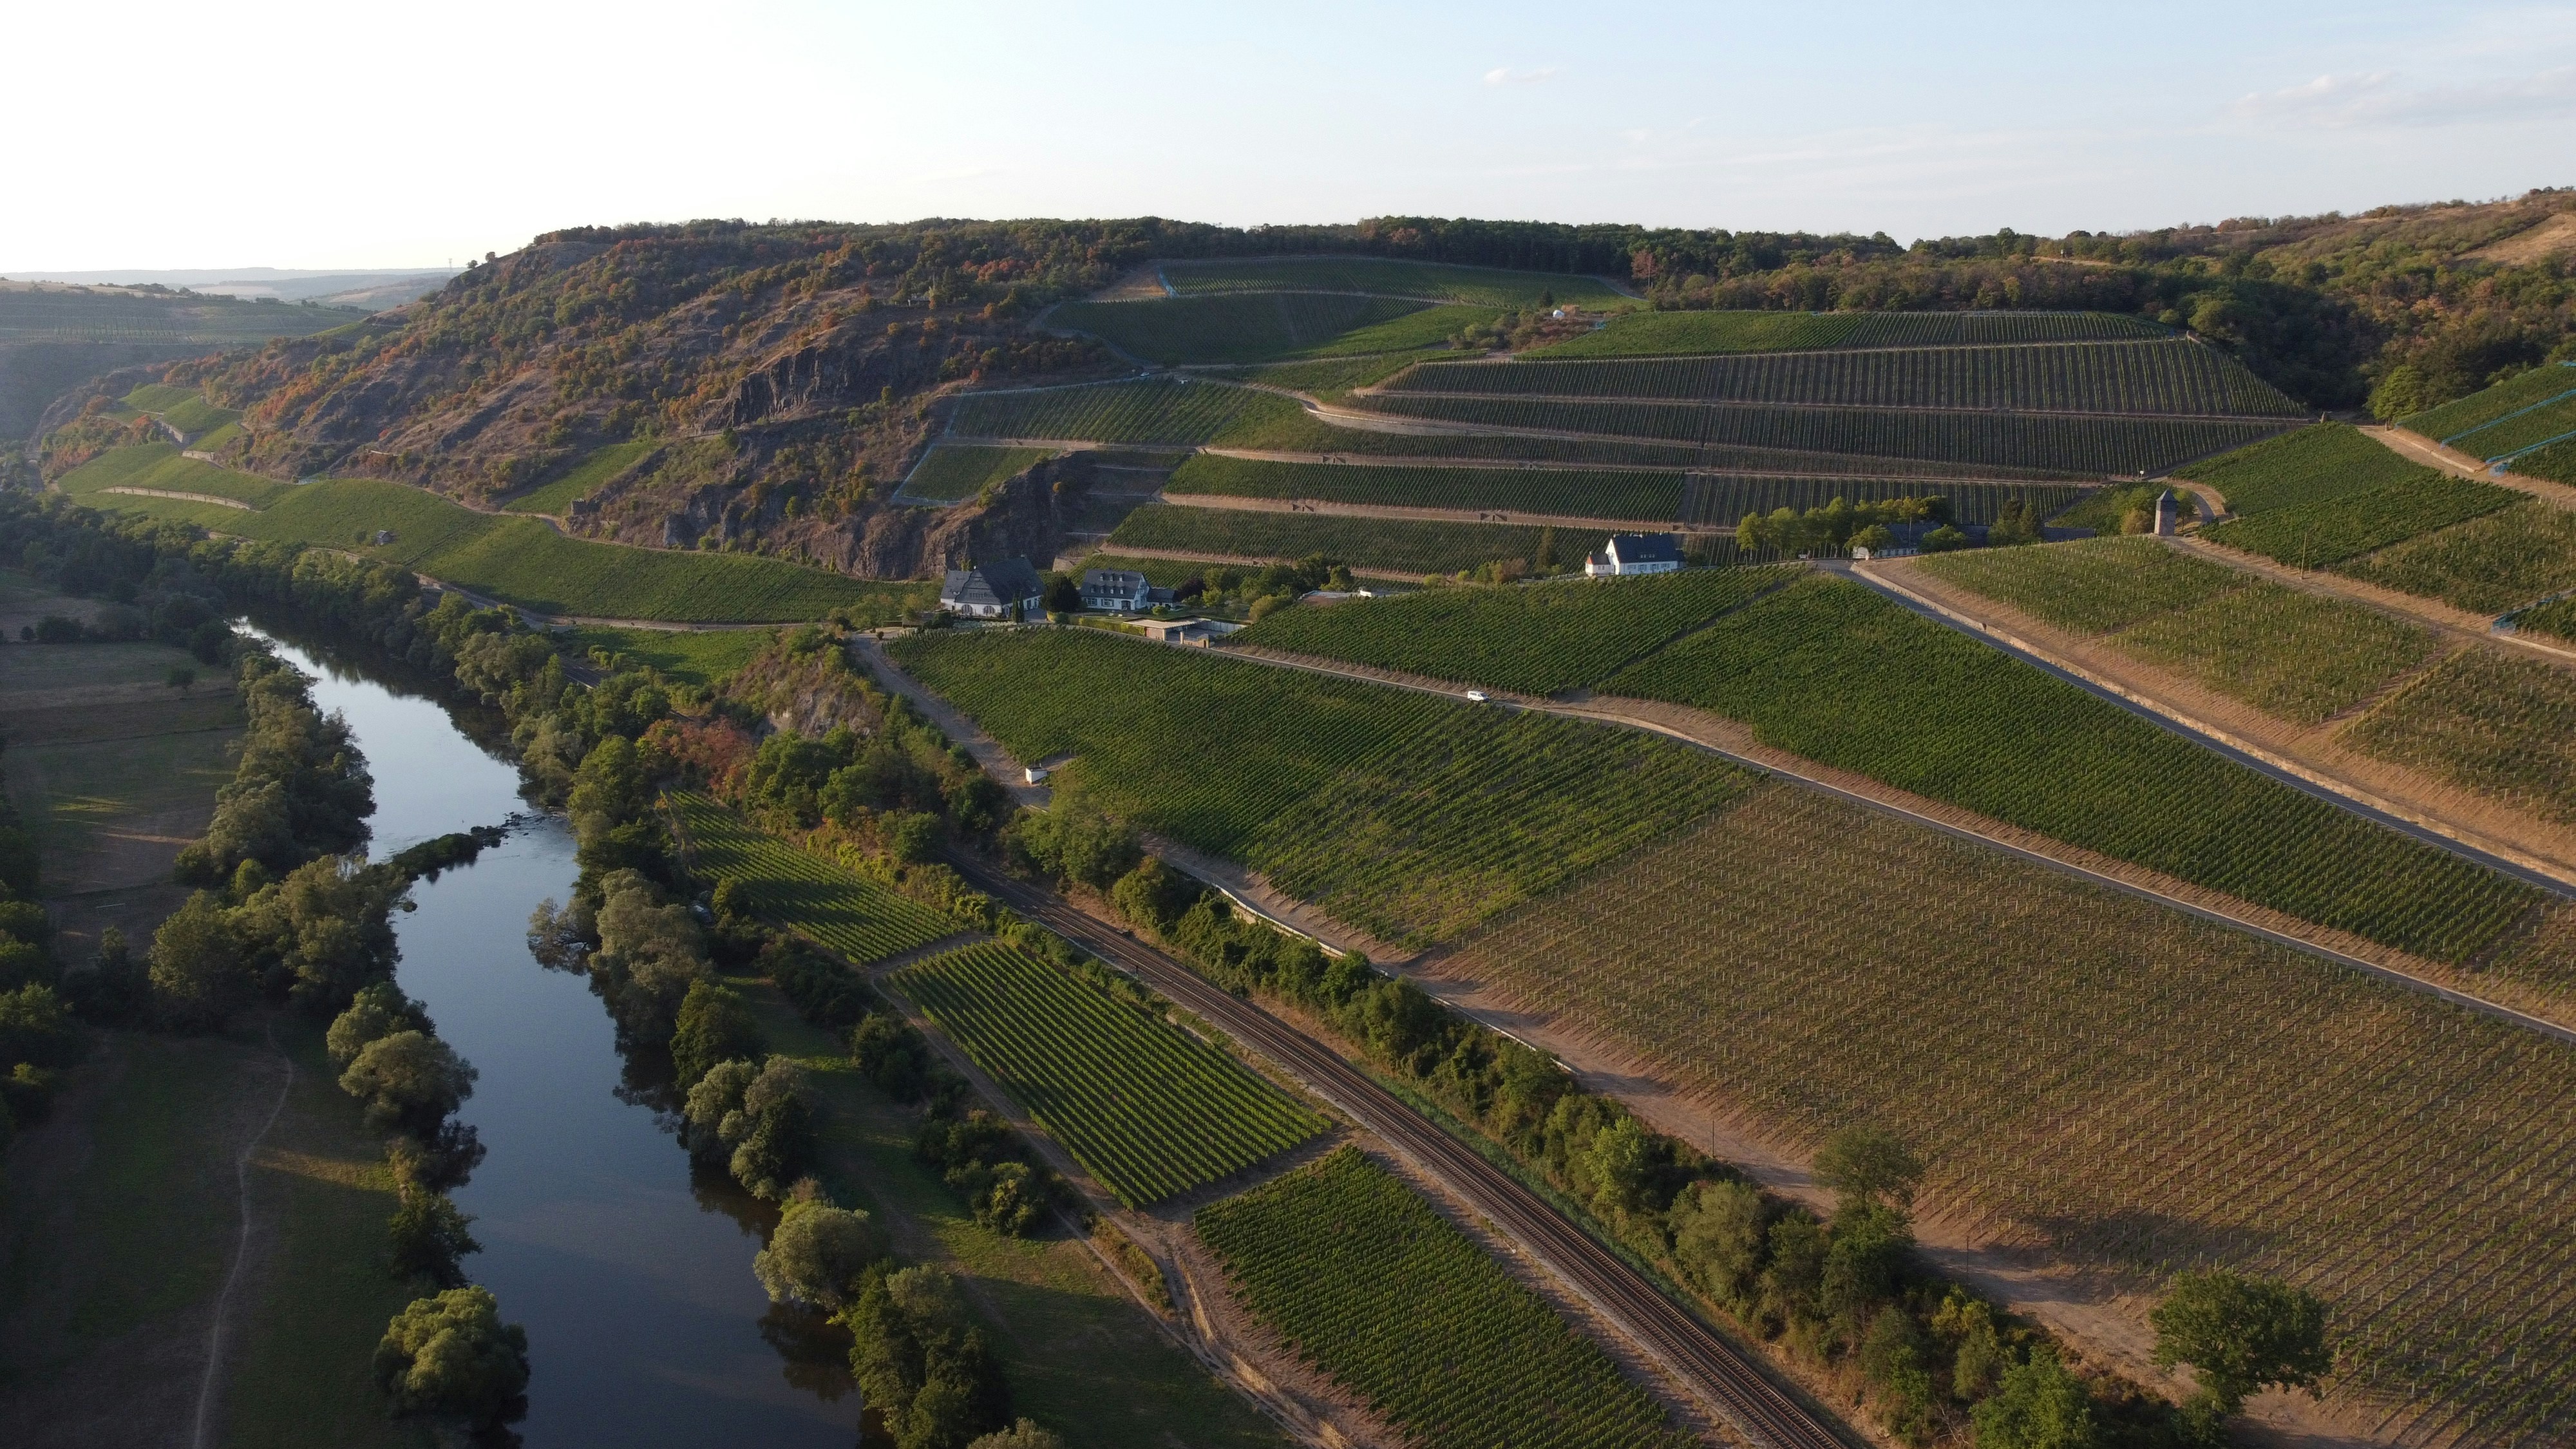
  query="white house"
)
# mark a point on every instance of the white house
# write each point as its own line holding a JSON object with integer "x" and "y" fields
{"x": 991, "y": 591}
{"x": 1635, "y": 553}
{"x": 1117, "y": 591}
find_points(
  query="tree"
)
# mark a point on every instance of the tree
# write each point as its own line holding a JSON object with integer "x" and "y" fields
{"x": 452, "y": 1355}
{"x": 408, "y": 1079}
{"x": 1944, "y": 539}
{"x": 819, "y": 1256}
{"x": 429, "y": 1237}
{"x": 1869, "y": 1164}
{"x": 197, "y": 975}
{"x": 1063, "y": 595}
{"x": 375, "y": 1013}
{"x": 715, "y": 1025}
{"x": 1874, "y": 537}
{"x": 1621, "y": 1166}
{"x": 1023, "y": 1435}
{"x": 2039, "y": 1406}
{"x": 2241, "y": 1334}
{"x": 1717, "y": 1235}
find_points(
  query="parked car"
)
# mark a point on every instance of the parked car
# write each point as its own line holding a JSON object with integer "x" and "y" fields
{"x": 1477, "y": 696}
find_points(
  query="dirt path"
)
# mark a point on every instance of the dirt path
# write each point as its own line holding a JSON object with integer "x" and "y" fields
{"x": 223, "y": 1312}
{"x": 2460, "y": 465}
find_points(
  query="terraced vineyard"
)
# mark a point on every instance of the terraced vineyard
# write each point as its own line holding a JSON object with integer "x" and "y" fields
{"x": 2091, "y": 587}
{"x": 1565, "y": 492}
{"x": 1153, "y": 410}
{"x": 1365, "y": 1282}
{"x": 1535, "y": 639}
{"x": 1991, "y": 329}
{"x": 2068, "y": 443}
{"x": 800, "y": 891}
{"x": 1720, "y": 500}
{"x": 1486, "y": 287}
{"x": 2557, "y": 462}
{"x": 2514, "y": 413}
{"x": 1393, "y": 544}
{"x": 1682, "y": 334}
{"x": 1151, "y": 1110}
{"x": 160, "y": 465}
{"x": 595, "y": 471}
{"x": 2325, "y": 533}
{"x": 2510, "y": 556}
{"x": 1409, "y": 816}
{"x": 1832, "y": 671}
{"x": 2313, "y": 465}
{"x": 952, "y": 472}
{"x": 1265, "y": 326}
{"x": 2094, "y": 1076}
{"x": 2171, "y": 376}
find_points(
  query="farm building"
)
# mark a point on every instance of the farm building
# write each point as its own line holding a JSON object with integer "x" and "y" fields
{"x": 991, "y": 591}
{"x": 1118, "y": 591}
{"x": 1635, "y": 553}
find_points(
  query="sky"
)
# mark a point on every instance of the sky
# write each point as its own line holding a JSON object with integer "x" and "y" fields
{"x": 399, "y": 134}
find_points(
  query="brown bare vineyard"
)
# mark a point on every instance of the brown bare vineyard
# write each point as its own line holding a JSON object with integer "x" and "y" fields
{"x": 2099, "y": 1077}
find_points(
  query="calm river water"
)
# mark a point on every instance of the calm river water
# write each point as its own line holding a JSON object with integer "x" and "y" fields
{"x": 645, "y": 1325}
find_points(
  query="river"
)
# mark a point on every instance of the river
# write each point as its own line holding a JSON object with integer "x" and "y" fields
{"x": 645, "y": 1325}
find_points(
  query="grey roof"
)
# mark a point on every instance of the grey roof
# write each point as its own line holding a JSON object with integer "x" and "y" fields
{"x": 1004, "y": 582}
{"x": 1123, "y": 581}
{"x": 1635, "y": 548}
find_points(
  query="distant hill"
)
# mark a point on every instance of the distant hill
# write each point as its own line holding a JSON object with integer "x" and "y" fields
{"x": 54, "y": 336}
{"x": 371, "y": 288}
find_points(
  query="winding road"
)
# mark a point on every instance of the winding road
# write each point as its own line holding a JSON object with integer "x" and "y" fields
{"x": 1719, "y": 1372}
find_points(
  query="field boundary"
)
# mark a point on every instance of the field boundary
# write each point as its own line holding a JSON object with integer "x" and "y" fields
{"x": 2460, "y": 465}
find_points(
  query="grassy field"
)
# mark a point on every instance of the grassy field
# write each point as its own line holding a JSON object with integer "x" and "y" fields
{"x": 1832, "y": 671}
{"x": 588, "y": 476}
{"x": 1487, "y": 287}
{"x": 2096, "y": 1076}
{"x": 525, "y": 562}
{"x": 699, "y": 656}
{"x": 1397, "y": 545}
{"x": 152, "y": 397}
{"x": 2312, "y": 465}
{"x": 1577, "y": 493}
{"x": 1082, "y": 1358}
{"x": 2069, "y": 443}
{"x": 959, "y": 471}
{"x": 1266, "y": 326}
{"x": 1151, "y": 1110}
{"x": 2165, "y": 377}
{"x": 159, "y": 465}
{"x": 2490, "y": 721}
{"x": 2487, "y": 565}
{"x": 1684, "y": 334}
{"x": 2325, "y": 533}
{"x": 1367, "y": 1283}
{"x": 1533, "y": 638}
{"x": 803, "y": 892}
{"x": 1154, "y": 410}
{"x": 1407, "y": 815}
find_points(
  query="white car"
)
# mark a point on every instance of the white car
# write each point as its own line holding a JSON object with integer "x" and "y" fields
{"x": 1477, "y": 696}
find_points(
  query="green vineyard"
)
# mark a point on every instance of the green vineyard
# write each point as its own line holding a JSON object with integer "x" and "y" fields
{"x": 1832, "y": 671}
{"x": 1683, "y": 334}
{"x": 594, "y": 471}
{"x": 1720, "y": 500}
{"x": 2325, "y": 533}
{"x": 1407, "y": 815}
{"x": 2112, "y": 377}
{"x": 2092, "y": 586}
{"x": 803, "y": 892}
{"x": 1151, "y": 1110}
{"x": 2489, "y": 720}
{"x": 1265, "y": 326}
{"x": 1566, "y": 492}
{"x": 1157, "y": 410}
{"x": 2067, "y": 443}
{"x": 2487, "y": 565}
{"x": 2469, "y": 423}
{"x": 1995, "y": 329}
{"x": 1396, "y": 545}
{"x": 1364, "y": 1281}
{"x": 953, "y": 472}
{"x": 2100, "y": 1078}
{"x": 1535, "y": 640}
{"x": 2312, "y": 465}
{"x": 160, "y": 466}
{"x": 1486, "y": 287}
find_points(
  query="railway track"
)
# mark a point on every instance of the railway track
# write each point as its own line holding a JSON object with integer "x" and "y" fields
{"x": 1713, "y": 1368}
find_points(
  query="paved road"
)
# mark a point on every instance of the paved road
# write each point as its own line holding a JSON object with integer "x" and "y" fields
{"x": 1722, "y": 1374}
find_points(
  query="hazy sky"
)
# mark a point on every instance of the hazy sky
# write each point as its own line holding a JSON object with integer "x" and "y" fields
{"x": 393, "y": 133}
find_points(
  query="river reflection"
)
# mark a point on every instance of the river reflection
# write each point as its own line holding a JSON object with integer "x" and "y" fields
{"x": 645, "y": 1325}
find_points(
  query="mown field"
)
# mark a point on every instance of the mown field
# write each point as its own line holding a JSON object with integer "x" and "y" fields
{"x": 1532, "y": 638}
{"x": 159, "y": 465}
{"x": 800, "y": 891}
{"x": 1153, "y": 410}
{"x": 1399, "y": 545}
{"x": 2313, "y": 465}
{"x": 1487, "y": 287}
{"x": 588, "y": 476}
{"x": 1266, "y": 326}
{"x": 2325, "y": 533}
{"x": 2068, "y": 443}
{"x": 2099, "y": 1077}
{"x": 1830, "y": 670}
{"x": 1683, "y": 334}
{"x": 1566, "y": 492}
{"x": 953, "y": 472}
{"x": 1149, "y": 1109}
{"x": 524, "y": 562}
{"x": 1405, "y": 814}
{"x": 1365, "y": 1282}
{"x": 2172, "y": 376}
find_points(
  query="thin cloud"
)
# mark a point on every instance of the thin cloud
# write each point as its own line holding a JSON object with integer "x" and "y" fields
{"x": 1503, "y": 75}
{"x": 2337, "y": 102}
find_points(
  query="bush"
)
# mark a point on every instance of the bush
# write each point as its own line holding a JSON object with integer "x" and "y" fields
{"x": 429, "y": 1237}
